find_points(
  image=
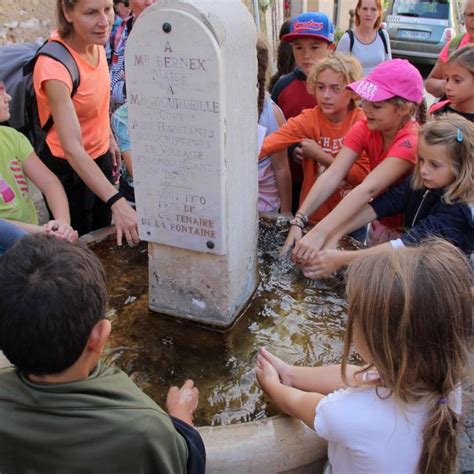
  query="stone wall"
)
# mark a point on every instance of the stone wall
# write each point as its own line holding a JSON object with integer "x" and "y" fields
{"x": 32, "y": 20}
{"x": 26, "y": 20}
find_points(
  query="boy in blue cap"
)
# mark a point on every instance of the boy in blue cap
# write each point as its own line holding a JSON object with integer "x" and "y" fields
{"x": 311, "y": 37}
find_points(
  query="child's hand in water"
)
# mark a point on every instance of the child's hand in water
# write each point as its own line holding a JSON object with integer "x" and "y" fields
{"x": 324, "y": 264}
{"x": 283, "y": 369}
{"x": 267, "y": 375}
{"x": 182, "y": 402}
{"x": 306, "y": 248}
{"x": 294, "y": 234}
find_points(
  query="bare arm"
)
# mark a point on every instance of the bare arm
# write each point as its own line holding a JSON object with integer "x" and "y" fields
{"x": 328, "y": 261}
{"x": 384, "y": 175}
{"x": 323, "y": 187}
{"x": 47, "y": 182}
{"x": 51, "y": 187}
{"x": 281, "y": 168}
{"x": 328, "y": 182}
{"x": 298, "y": 390}
{"x": 435, "y": 82}
{"x": 69, "y": 132}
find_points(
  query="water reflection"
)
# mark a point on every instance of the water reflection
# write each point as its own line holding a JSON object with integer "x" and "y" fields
{"x": 300, "y": 321}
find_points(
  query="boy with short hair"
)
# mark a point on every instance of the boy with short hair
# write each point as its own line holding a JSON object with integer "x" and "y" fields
{"x": 61, "y": 409}
{"x": 311, "y": 37}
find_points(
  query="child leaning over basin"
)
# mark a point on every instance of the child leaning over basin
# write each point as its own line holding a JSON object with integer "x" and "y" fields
{"x": 435, "y": 201}
{"x": 311, "y": 37}
{"x": 399, "y": 411}
{"x": 61, "y": 409}
{"x": 320, "y": 131}
{"x": 388, "y": 134}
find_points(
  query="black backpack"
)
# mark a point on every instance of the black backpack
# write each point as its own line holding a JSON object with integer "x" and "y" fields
{"x": 17, "y": 63}
{"x": 381, "y": 34}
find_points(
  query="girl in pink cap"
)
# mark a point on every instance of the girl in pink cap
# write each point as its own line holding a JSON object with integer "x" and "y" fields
{"x": 388, "y": 135}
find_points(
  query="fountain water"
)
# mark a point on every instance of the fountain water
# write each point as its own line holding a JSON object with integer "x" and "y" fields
{"x": 191, "y": 76}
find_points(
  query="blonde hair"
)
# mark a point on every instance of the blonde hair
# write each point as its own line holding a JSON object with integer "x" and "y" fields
{"x": 457, "y": 135}
{"x": 378, "y": 5}
{"x": 464, "y": 57}
{"x": 412, "y": 308}
{"x": 344, "y": 64}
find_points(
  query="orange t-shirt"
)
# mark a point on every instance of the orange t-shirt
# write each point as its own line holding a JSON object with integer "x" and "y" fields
{"x": 313, "y": 124}
{"x": 91, "y": 100}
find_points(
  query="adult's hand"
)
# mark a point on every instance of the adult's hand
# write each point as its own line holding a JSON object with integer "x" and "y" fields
{"x": 125, "y": 220}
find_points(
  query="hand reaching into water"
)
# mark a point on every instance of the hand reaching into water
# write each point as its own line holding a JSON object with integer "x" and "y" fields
{"x": 294, "y": 234}
{"x": 307, "y": 247}
{"x": 283, "y": 369}
{"x": 182, "y": 402}
{"x": 324, "y": 264}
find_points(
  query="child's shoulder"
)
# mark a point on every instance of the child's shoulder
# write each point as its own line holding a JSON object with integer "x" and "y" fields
{"x": 13, "y": 139}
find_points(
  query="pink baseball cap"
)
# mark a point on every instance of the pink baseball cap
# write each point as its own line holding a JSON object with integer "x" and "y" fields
{"x": 394, "y": 78}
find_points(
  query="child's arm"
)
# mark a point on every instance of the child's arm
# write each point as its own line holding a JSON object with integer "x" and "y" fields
{"x": 390, "y": 203}
{"x": 289, "y": 133}
{"x": 385, "y": 174}
{"x": 281, "y": 169}
{"x": 51, "y": 187}
{"x": 328, "y": 261}
{"x": 323, "y": 187}
{"x": 298, "y": 390}
{"x": 292, "y": 401}
{"x": 435, "y": 82}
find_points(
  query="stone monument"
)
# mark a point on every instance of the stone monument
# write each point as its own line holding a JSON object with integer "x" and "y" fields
{"x": 191, "y": 87}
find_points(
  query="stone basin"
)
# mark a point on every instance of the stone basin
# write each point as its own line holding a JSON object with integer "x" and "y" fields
{"x": 265, "y": 441}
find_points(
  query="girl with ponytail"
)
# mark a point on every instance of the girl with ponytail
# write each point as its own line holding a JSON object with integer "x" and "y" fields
{"x": 409, "y": 320}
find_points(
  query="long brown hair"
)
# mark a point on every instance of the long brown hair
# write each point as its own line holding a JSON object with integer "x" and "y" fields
{"x": 457, "y": 135}
{"x": 262, "y": 60}
{"x": 378, "y": 4}
{"x": 412, "y": 307}
{"x": 285, "y": 59}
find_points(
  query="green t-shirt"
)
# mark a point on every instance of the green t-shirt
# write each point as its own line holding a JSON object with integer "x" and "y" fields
{"x": 103, "y": 424}
{"x": 15, "y": 201}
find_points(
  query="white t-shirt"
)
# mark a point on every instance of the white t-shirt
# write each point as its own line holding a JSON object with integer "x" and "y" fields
{"x": 368, "y": 434}
{"x": 369, "y": 55}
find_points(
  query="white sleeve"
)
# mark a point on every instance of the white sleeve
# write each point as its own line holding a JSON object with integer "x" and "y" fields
{"x": 397, "y": 243}
{"x": 344, "y": 44}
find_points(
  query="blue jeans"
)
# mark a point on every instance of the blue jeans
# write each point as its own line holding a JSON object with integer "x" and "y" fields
{"x": 9, "y": 234}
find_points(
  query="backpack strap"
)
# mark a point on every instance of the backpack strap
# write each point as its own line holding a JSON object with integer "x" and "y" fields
{"x": 351, "y": 39}
{"x": 384, "y": 39}
{"x": 57, "y": 51}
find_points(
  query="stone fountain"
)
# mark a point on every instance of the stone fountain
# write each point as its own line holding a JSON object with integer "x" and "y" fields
{"x": 191, "y": 86}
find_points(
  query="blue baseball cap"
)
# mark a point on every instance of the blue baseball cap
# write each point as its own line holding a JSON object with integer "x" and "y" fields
{"x": 310, "y": 25}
